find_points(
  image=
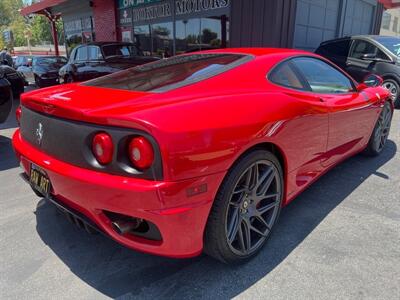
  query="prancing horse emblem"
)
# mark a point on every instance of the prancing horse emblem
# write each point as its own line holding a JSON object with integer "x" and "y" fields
{"x": 39, "y": 134}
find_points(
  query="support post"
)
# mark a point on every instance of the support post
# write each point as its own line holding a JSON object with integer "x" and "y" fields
{"x": 55, "y": 37}
{"x": 53, "y": 19}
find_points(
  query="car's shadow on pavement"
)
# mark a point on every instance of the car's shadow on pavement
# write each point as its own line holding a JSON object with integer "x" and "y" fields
{"x": 7, "y": 155}
{"x": 11, "y": 121}
{"x": 116, "y": 271}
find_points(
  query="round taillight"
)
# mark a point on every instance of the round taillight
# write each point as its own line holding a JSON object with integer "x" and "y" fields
{"x": 141, "y": 153}
{"x": 18, "y": 115}
{"x": 103, "y": 148}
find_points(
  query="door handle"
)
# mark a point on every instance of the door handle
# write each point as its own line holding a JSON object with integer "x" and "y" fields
{"x": 321, "y": 99}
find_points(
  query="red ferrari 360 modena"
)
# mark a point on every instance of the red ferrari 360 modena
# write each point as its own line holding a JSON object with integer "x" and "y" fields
{"x": 199, "y": 151}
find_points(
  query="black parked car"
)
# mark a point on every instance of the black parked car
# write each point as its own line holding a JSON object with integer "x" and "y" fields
{"x": 365, "y": 54}
{"x": 43, "y": 70}
{"x": 102, "y": 58}
{"x": 5, "y": 98}
{"x": 22, "y": 60}
{"x": 15, "y": 78}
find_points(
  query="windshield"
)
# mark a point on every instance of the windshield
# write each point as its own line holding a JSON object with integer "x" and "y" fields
{"x": 57, "y": 61}
{"x": 391, "y": 43}
{"x": 172, "y": 73}
{"x": 115, "y": 50}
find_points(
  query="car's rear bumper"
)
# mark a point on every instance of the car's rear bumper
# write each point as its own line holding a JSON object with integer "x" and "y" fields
{"x": 180, "y": 218}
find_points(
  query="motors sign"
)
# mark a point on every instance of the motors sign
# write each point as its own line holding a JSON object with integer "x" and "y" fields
{"x": 190, "y": 6}
{"x": 182, "y": 7}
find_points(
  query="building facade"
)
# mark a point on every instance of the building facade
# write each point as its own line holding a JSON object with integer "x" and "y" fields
{"x": 168, "y": 27}
{"x": 391, "y": 22}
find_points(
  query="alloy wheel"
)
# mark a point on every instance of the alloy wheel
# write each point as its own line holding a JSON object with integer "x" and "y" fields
{"x": 383, "y": 127}
{"x": 392, "y": 88}
{"x": 253, "y": 208}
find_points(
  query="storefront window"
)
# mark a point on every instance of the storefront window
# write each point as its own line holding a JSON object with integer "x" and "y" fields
{"x": 167, "y": 27}
{"x": 142, "y": 38}
{"x": 72, "y": 41}
{"x": 78, "y": 31}
{"x": 162, "y": 37}
{"x": 201, "y": 34}
{"x": 187, "y": 35}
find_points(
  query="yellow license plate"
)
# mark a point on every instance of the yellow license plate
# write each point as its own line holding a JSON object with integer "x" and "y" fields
{"x": 40, "y": 181}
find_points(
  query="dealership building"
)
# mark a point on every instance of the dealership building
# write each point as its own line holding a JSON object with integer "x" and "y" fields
{"x": 168, "y": 27}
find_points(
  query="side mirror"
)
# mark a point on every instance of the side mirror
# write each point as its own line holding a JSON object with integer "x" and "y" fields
{"x": 370, "y": 80}
{"x": 368, "y": 56}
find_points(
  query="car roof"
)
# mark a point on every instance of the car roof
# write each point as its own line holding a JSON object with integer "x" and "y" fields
{"x": 370, "y": 37}
{"x": 105, "y": 43}
{"x": 258, "y": 51}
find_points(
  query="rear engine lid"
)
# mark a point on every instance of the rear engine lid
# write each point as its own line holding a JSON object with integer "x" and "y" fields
{"x": 75, "y": 101}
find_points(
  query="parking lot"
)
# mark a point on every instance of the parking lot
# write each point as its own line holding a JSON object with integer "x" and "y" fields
{"x": 340, "y": 239}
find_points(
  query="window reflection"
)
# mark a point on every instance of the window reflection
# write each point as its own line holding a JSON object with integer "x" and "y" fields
{"x": 155, "y": 39}
{"x": 187, "y": 35}
{"x": 201, "y": 34}
{"x": 72, "y": 41}
{"x": 162, "y": 37}
{"x": 143, "y": 38}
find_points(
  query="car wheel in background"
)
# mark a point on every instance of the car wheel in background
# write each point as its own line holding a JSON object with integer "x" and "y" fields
{"x": 68, "y": 79}
{"x": 394, "y": 89}
{"x": 245, "y": 209}
{"x": 38, "y": 82}
{"x": 381, "y": 132}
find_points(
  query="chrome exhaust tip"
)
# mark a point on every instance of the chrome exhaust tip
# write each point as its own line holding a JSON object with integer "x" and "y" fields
{"x": 122, "y": 227}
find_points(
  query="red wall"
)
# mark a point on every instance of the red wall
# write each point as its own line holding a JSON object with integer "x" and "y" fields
{"x": 104, "y": 15}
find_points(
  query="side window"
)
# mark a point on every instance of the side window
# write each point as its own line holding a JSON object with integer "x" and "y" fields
{"x": 322, "y": 77}
{"x": 363, "y": 47}
{"x": 339, "y": 48}
{"x": 382, "y": 55}
{"x": 284, "y": 75}
{"x": 94, "y": 53}
{"x": 82, "y": 54}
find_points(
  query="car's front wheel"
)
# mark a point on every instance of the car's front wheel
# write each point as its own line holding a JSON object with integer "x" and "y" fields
{"x": 245, "y": 209}
{"x": 381, "y": 132}
{"x": 394, "y": 89}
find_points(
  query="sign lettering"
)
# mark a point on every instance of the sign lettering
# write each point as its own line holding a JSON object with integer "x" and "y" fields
{"x": 134, "y": 3}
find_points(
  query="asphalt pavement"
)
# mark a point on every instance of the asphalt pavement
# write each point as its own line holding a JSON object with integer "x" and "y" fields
{"x": 340, "y": 239}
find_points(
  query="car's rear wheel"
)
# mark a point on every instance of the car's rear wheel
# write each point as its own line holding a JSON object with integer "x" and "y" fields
{"x": 381, "y": 132}
{"x": 245, "y": 209}
{"x": 394, "y": 89}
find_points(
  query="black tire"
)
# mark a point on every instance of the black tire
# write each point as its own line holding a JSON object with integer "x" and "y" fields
{"x": 68, "y": 79}
{"x": 381, "y": 132}
{"x": 231, "y": 221}
{"x": 394, "y": 88}
{"x": 38, "y": 82}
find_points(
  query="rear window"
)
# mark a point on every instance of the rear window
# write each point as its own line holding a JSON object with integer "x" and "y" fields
{"x": 171, "y": 73}
{"x": 118, "y": 50}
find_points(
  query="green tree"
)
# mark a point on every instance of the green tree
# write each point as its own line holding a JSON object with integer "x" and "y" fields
{"x": 208, "y": 36}
{"x": 37, "y": 28}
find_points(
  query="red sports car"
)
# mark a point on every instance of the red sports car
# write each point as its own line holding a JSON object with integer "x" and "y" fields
{"x": 199, "y": 151}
